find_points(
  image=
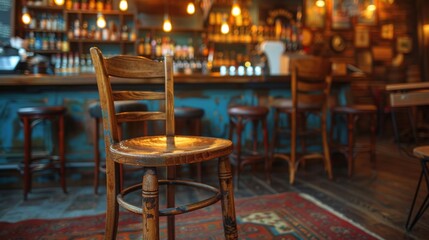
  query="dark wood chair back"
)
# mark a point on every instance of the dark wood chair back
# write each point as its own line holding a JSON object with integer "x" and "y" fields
{"x": 310, "y": 83}
{"x": 133, "y": 67}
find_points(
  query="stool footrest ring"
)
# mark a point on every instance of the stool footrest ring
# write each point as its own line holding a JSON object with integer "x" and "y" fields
{"x": 173, "y": 210}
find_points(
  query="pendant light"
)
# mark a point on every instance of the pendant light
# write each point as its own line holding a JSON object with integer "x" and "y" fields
{"x": 224, "y": 28}
{"x": 235, "y": 10}
{"x": 59, "y": 2}
{"x": 123, "y": 5}
{"x": 166, "y": 26}
{"x": 190, "y": 9}
{"x": 371, "y": 7}
{"x": 26, "y": 18}
{"x": 320, "y": 3}
{"x": 101, "y": 22}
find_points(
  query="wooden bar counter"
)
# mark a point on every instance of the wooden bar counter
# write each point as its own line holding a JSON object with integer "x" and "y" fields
{"x": 212, "y": 92}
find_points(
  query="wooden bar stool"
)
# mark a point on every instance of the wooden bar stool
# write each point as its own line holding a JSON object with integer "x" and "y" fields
{"x": 150, "y": 152}
{"x": 239, "y": 116}
{"x": 354, "y": 111}
{"x": 310, "y": 90}
{"x": 30, "y": 116}
{"x": 188, "y": 122}
{"x": 95, "y": 113}
{"x": 422, "y": 153}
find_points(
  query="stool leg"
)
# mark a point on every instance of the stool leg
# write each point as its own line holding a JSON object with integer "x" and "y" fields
{"x": 112, "y": 206}
{"x": 326, "y": 152}
{"x": 96, "y": 154}
{"x": 150, "y": 203}
{"x": 171, "y": 175}
{"x": 268, "y": 163}
{"x": 373, "y": 140}
{"x": 239, "y": 129}
{"x": 27, "y": 155}
{"x": 424, "y": 206}
{"x": 350, "y": 142}
{"x": 61, "y": 152}
{"x": 292, "y": 162}
{"x": 227, "y": 201}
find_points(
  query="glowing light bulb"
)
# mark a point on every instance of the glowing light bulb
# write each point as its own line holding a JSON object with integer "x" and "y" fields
{"x": 166, "y": 26}
{"x": 190, "y": 9}
{"x": 26, "y": 18}
{"x": 235, "y": 11}
{"x": 371, "y": 7}
{"x": 101, "y": 22}
{"x": 320, "y": 3}
{"x": 224, "y": 29}
{"x": 59, "y": 2}
{"x": 123, "y": 5}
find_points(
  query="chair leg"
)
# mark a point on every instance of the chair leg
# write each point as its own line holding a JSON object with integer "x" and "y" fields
{"x": 61, "y": 153}
{"x": 27, "y": 156}
{"x": 239, "y": 129}
{"x": 373, "y": 140}
{"x": 227, "y": 201}
{"x": 150, "y": 203}
{"x": 112, "y": 190}
{"x": 292, "y": 161}
{"x": 425, "y": 204}
{"x": 268, "y": 163}
{"x": 350, "y": 142}
{"x": 96, "y": 155}
{"x": 326, "y": 152}
{"x": 171, "y": 175}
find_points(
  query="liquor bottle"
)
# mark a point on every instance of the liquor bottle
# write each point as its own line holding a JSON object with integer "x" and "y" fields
{"x": 100, "y": 5}
{"x": 91, "y": 5}
{"x": 84, "y": 5}
{"x": 147, "y": 47}
{"x": 84, "y": 31}
{"x": 76, "y": 29}
{"x": 69, "y": 4}
{"x": 124, "y": 33}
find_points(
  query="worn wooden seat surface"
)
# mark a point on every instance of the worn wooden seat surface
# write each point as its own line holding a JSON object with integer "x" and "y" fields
{"x": 150, "y": 152}
{"x": 310, "y": 89}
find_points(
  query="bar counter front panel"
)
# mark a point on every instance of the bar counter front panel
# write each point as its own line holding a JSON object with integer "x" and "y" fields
{"x": 213, "y": 93}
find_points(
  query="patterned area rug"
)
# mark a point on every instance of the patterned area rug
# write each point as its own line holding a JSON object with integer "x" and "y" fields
{"x": 279, "y": 216}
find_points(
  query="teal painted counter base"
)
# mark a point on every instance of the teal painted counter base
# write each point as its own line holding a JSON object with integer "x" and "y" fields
{"x": 213, "y": 97}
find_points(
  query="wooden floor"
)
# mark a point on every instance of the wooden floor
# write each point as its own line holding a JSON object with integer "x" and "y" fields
{"x": 377, "y": 199}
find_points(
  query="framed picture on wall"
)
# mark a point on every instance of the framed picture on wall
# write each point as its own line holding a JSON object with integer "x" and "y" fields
{"x": 342, "y": 11}
{"x": 404, "y": 44}
{"x": 362, "y": 39}
{"x": 367, "y": 12}
{"x": 364, "y": 60}
{"x": 387, "y": 31}
{"x": 315, "y": 14}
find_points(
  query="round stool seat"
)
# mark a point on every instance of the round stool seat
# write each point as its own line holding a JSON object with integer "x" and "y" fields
{"x": 188, "y": 112}
{"x": 360, "y": 108}
{"x": 250, "y": 111}
{"x": 43, "y": 110}
{"x": 123, "y": 106}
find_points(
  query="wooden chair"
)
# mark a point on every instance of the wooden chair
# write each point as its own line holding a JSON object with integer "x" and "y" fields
{"x": 310, "y": 89}
{"x": 150, "y": 152}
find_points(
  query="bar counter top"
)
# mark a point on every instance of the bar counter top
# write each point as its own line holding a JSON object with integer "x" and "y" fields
{"x": 89, "y": 79}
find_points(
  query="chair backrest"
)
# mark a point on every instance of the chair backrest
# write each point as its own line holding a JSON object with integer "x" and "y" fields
{"x": 132, "y": 67}
{"x": 311, "y": 82}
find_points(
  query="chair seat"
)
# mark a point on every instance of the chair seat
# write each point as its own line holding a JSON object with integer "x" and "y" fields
{"x": 421, "y": 152}
{"x": 248, "y": 110}
{"x": 43, "y": 110}
{"x": 188, "y": 112}
{"x": 287, "y": 103}
{"x": 122, "y": 106}
{"x": 153, "y": 151}
{"x": 359, "y": 108}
